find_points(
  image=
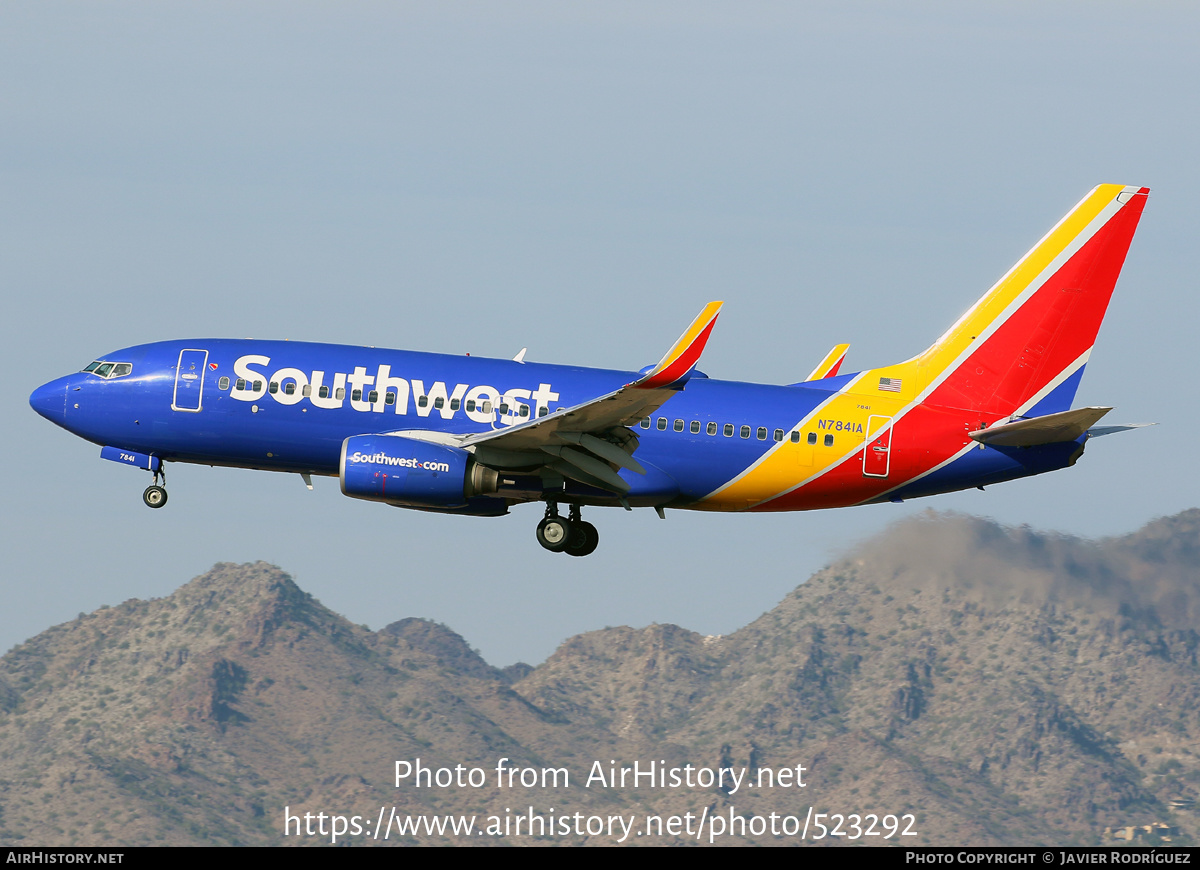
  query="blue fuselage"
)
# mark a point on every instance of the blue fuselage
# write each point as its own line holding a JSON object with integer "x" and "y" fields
{"x": 289, "y": 406}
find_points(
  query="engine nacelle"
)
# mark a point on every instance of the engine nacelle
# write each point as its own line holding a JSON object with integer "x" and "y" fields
{"x": 409, "y": 473}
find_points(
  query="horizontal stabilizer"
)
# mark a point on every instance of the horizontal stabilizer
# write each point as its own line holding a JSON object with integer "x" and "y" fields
{"x": 1109, "y": 430}
{"x": 828, "y": 367}
{"x": 1050, "y": 429}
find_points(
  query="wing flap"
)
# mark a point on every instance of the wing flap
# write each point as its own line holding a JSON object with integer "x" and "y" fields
{"x": 589, "y": 465}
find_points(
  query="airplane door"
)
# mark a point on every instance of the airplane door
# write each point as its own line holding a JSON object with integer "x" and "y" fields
{"x": 189, "y": 380}
{"x": 878, "y": 453}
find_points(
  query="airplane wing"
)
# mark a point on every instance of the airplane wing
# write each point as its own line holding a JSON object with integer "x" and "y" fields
{"x": 584, "y": 441}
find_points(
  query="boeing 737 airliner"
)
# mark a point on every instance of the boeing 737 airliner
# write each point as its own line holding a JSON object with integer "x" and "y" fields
{"x": 989, "y": 401}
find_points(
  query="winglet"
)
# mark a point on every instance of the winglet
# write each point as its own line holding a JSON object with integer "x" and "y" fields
{"x": 829, "y": 366}
{"x": 684, "y": 354}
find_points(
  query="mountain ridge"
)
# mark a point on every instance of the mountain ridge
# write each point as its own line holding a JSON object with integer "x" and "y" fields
{"x": 1004, "y": 685}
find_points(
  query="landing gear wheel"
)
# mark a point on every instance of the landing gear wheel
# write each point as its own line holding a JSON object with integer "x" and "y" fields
{"x": 583, "y": 539}
{"x": 554, "y": 533}
{"x": 154, "y": 496}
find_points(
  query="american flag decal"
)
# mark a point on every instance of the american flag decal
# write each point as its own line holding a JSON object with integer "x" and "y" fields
{"x": 892, "y": 385}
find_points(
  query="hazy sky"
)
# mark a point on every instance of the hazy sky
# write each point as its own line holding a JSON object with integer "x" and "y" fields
{"x": 579, "y": 179}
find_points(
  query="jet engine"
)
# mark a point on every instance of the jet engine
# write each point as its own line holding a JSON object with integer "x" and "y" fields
{"x": 409, "y": 473}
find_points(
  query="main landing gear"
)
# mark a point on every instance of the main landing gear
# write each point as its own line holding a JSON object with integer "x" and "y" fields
{"x": 155, "y": 495}
{"x": 571, "y": 536}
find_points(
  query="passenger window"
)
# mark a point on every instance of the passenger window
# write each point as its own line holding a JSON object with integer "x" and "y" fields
{"x": 470, "y": 404}
{"x": 439, "y": 403}
{"x": 487, "y": 407}
{"x": 503, "y": 409}
{"x": 273, "y": 388}
{"x": 240, "y": 385}
{"x": 662, "y": 424}
{"x": 257, "y": 386}
{"x": 423, "y": 402}
{"x": 339, "y": 395}
{"x": 745, "y": 432}
{"x": 645, "y": 424}
{"x": 307, "y": 391}
{"x": 289, "y": 388}
{"x": 678, "y": 425}
{"x": 543, "y": 411}
{"x": 828, "y": 440}
{"x": 812, "y": 437}
{"x": 695, "y": 427}
{"x": 323, "y": 392}
{"x": 762, "y": 433}
{"x": 356, "y": 396}
{"x": 778, "y": 435}
{"x": 373, "y": 396}
{"x": 712, "y": 429}
{"x": 389, "y": 398}
{"x": 454, "y": 403}
{"x": 728, "y": 431}
{"x": 223, "y": 384}
{"x": 795, "y": 436}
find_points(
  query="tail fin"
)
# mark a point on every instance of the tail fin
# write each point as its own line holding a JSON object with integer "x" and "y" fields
{"x": 1024, "y": 344}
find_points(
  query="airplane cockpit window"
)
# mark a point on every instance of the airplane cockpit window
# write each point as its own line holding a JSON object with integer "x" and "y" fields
{"x": 108, "y": 370}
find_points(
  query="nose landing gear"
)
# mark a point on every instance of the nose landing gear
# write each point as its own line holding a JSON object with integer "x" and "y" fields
{"x": 571, "y": 536}
{"x": 155, "y": 495}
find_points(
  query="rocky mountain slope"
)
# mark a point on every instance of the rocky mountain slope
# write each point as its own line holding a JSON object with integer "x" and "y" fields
{"x": 1002, "y": 686}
